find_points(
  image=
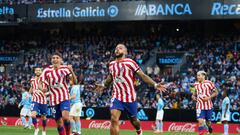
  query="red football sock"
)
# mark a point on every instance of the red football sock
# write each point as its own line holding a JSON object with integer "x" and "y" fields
{"x": 139, "y": 132}
{"x": 67, "y": 127}
{"x": 61, "y": 131}
{"x": 34, "y": 120}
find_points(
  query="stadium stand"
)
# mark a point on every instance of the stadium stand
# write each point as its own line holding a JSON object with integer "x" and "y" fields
{"x": 89, "y": 55}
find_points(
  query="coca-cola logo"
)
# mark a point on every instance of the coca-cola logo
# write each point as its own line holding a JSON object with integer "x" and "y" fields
{"x": 188, "y": 127}
{"x": 100, "y": 125}
{"x": 18, "y": 122}
{"x": 4, "y": 121}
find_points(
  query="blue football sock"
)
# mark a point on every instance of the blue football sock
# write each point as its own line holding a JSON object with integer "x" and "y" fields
{"x": 24, "y": 122}
{"x": 226, "y": 129}
{"x": 30, "y": 121}
{"x": 73, "y": 125}
{"x": 78, "y": 126}
{"x": 161, "y": 126}
{"x": 157, "y": 125}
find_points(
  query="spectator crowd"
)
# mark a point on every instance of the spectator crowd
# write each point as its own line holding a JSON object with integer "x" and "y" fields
{"x": 217, "y": 55}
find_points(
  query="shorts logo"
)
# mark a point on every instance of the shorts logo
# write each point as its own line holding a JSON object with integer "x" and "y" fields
{"x": 112, "y": 100}
{"x": 141, "y": 115}
{"x": 111, "y": 104}
{"x": 65, "y": 108}
{"x": 198, "y": 112}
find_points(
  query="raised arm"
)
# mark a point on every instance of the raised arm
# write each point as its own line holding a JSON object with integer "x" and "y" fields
{"x": 105, "y": 84}
{"x": 150, "y": 81}
{"x": 73, "y": 76}
{"x": 214, "y": 93}
{"x": 194, "y": 96}
{"x": 225, "y": 111}
{"x": 31, "y": 89}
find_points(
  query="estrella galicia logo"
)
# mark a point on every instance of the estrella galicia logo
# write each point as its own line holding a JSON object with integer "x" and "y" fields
{"x": 90, "y": 112}
{"x": 141, "y": 115}
{"x": 6, "y": 10}
{"x": 112, "y": 11}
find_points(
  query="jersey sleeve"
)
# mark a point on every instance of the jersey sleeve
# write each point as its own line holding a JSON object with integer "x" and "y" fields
{"x": 67, "y": 71}
{"x": 211, "y": 85}
{"x": 135, "y": 66}
{"x": 74, "y": 90}
{"x": 110, "y": 67}
{"x": 228, "y": 101}
{"x": 31, "y": 83}
{"x": 43, "y": 77}
{"x": 24, "y": 99}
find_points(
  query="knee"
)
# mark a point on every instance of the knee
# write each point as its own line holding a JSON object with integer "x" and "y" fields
{"x": 43, "y": 117}
{"x": 65, "y": 117}
{"x": 200, "y": 122}
{"x": 71, "y": 118}
{"x": 59, "y": 123}
{"x": 133, "y": 119}
{"x": 208, "y": 123}
{"x": 77, "y": 119}
{"x": 114, "y": 119}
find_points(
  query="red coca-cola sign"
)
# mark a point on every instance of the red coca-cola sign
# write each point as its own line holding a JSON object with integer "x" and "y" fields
{"x": 187, "y": 127}
{"x": 100, "y": 124}
{"x": 126, "y": 125}
{"x": 18, "y": 122}
{"x": 4, "y": 121}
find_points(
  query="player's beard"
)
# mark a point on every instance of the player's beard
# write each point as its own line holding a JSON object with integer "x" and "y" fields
{"x": 119, "y": 56}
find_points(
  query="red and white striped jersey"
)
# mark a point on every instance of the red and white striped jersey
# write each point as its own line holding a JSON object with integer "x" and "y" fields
{"x": 57, "y": 82}
{"x": 37, "y": 95}
{"x": 123, "y": 74}
{"x": 204, "y": 90}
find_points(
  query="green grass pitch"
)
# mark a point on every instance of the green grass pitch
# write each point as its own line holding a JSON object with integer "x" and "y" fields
{"x": 11, "y": 130}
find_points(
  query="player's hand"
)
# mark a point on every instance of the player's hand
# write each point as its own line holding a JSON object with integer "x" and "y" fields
{"x": 19, "y": 106}
{"x": 70, "y": 67}
{"x": 194, "y": 98}
{"x": 99, "y": 87}
{"x": 46, "y": 93}
{"x": 44, "y": 90}
{"x": 161, "y": 87}
{"x": 206, "y": 98}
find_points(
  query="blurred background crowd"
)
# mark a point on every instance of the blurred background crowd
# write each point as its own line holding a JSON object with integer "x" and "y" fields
{"x": 217, "y": 54}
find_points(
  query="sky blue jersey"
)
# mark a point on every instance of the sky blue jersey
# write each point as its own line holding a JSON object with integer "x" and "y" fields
{"x": 160, "y": 104}
{"x": 75, "y": 90}
{"x": 26, "y": 100}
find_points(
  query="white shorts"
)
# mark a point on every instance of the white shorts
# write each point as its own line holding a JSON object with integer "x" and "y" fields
{"x": 25, "y": 112}
{"x": 227, "y": 118}
{"x": 76, "y": 110}
{"x": 160, "y": 115}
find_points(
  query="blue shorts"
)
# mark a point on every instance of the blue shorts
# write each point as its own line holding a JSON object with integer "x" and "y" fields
{"x": 204, "y": 114}
{"x": 57, "y": 109}
{"x": 41, "y": 108}
{"x": 130, "y": 108}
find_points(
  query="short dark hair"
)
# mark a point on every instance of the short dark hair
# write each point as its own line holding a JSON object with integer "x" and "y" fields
{"x": 227, "y": 92}
{"x": 57, "y": 53}
{"x": 37, "y": 67}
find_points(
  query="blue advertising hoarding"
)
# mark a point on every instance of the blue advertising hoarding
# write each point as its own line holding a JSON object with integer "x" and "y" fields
{"x": 125, "y": 11}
